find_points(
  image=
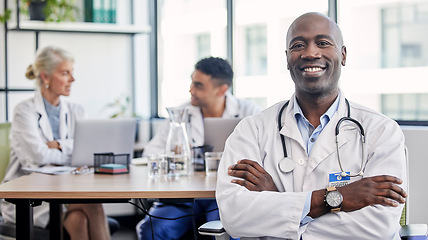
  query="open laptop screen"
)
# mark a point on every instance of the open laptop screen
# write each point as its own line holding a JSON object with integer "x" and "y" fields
{"x": 217, "y": 130}
{"x": 100, "y": 136}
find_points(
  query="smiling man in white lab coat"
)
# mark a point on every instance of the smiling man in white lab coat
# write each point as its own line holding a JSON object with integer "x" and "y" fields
{"x": 280, "y": 176}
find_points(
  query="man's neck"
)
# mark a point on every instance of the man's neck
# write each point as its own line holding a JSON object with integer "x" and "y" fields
{"x": 215, "y": 109}
{"x": 314, "y": 108}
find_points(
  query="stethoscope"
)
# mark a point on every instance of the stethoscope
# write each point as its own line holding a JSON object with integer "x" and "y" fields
{"x": 287, "y": 164}
{"x": 40, "y": 127}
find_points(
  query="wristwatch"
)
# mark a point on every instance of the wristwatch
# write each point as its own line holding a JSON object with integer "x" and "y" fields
{"x": 333, "y": 199}
{"x": 59, "y": 146}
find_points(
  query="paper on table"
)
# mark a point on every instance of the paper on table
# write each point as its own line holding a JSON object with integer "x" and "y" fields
{"x": 54, "y": 170}
{"x": 139, "y": 161}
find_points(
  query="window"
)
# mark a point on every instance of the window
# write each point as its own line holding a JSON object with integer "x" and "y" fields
{"x": 188, "y": 31}
{"x": 407, "y": 107}
{"x": 387, "y": 46}
{"x": 204, "y": 45}
{"x": 256, "y": 50}
{"x": 404, "y": 35}
{"x": 259, "y": 62}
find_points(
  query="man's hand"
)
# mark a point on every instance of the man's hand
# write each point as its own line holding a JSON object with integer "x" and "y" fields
{"x": 383, "y": 190}
{"x": 252, "y": 176}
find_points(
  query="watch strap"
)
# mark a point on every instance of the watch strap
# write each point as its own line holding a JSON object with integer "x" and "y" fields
{"x": 334, "y": 210}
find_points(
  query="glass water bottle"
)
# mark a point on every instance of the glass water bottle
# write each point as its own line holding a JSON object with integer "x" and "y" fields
{"x": 177, "y": 146}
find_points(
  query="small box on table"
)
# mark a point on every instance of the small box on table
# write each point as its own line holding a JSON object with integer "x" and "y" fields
{"x": 110, "y": 163}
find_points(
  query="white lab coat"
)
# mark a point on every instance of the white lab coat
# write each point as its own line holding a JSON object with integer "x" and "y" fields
{"x": 30, "y": 132}
{"x": 255, "y": 215}
{"x": 235, "y": 108}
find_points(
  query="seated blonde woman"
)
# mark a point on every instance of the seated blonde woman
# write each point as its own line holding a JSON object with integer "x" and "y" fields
{"x": 42, "y": 133}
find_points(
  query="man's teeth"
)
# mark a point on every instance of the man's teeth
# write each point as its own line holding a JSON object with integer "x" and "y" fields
{"x": 312, "y": 69}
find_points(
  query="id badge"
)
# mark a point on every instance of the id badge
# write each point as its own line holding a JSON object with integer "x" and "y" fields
{"x": 337, "y": 180}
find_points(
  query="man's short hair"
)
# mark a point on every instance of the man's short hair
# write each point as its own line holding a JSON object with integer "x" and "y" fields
{"x": 218, "y": 68}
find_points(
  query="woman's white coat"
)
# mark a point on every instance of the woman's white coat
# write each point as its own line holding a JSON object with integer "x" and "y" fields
{"x": 29, "y": 133}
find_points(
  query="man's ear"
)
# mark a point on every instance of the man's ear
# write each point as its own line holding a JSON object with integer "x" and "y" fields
{"x": 343, "y": 56}
{"x": 222, "y": 89}
{"x": 286, "y": 59}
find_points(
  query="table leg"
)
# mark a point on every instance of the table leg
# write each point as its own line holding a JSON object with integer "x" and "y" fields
{"x": 55, "y": 222}
{"x": 24, "y": 218}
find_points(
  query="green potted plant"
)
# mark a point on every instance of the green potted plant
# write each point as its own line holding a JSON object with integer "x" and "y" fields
{"x": 50, "y": 10}
{"x": 5, "y": 16}
{"x": 121, "y": 108}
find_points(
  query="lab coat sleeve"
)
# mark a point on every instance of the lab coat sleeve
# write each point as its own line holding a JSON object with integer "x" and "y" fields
{"x": 66, "y": 146}
{"x": 29, "y": 145}
{"x": 247, "y": 213}
{"x": 385, "y": 155}
{"x": 75, "y": 112}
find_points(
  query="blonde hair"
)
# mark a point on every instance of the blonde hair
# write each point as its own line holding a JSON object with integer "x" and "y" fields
{"x": 47, "y": 60}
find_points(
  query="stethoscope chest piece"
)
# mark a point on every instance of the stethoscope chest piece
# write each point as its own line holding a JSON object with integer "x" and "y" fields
{"x": 286, "y": 165}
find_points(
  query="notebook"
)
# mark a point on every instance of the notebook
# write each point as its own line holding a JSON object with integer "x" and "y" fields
{"x": 100, "y": 136}
{"x": 217, "y": 130}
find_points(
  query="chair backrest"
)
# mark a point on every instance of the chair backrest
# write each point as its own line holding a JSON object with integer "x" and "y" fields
{"x": 4, "y": 148}
{"x": 404, "y": 220}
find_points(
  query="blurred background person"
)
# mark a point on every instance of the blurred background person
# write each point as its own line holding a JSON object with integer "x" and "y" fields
{"x": 42, "y": 133}
{"x": 210, "y": 97}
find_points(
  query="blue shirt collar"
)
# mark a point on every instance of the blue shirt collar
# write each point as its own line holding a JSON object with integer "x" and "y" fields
{"x": 308, "y": 132}
{"x": 324, "y": 119}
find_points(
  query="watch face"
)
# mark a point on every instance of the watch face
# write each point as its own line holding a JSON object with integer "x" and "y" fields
{"x": 334, "y": 199}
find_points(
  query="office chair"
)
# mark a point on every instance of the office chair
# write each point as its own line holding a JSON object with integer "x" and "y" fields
{"x": 407, "y": 231}
{"x": 411, "y": 231}
{"x": 215, "y": 229}
{"x": 8, "y": 230}
{"x": 4, "y": 148}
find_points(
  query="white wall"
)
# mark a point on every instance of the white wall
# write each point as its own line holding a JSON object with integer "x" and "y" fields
{"x": 103, "y": 64}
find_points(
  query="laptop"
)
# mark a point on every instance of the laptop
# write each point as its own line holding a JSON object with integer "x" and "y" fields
{"x": 101, "y": 136}
{"x": 217, "y": 130}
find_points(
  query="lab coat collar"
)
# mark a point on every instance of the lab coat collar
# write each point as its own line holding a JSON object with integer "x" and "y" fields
{"x": 292, "y": 131}
{"x": 44, "y": 123}
{"x": 326, "y": 142}
{"x": 232, "y": 106}
{"x": 289, "y": 123}
{"x": 231, "y": 110}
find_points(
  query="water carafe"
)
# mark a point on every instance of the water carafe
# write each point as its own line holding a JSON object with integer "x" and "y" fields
{"x": 177, "y": 145}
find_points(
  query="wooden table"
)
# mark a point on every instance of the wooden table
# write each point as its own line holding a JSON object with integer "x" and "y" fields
{"x": 30, "y": 190}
